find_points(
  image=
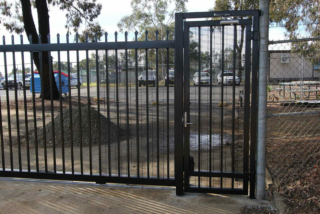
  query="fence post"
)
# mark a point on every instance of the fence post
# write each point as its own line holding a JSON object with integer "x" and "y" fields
{"x": 262, "y": 103}
{"x": 178, "y": 104}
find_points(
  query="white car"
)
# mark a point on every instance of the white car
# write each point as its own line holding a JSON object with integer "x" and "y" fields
{"x": 228, "y": 78}
{"x": 203, "y": 80}
{"x": 19, "y": 81}
{"x": 142, "y": 79}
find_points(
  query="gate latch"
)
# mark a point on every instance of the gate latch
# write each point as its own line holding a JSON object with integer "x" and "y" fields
{"x": 185, "y": 120}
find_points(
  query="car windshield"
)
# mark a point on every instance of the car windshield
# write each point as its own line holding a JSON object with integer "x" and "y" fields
{"x": 228, "y": 74}
{"x": 28, "y": 75}
{"x": 171, "y": 73}
{"x": 203, "y": 74}
{"x": 149, "y": 73}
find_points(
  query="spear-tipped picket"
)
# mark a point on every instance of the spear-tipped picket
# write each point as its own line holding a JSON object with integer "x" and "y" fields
{"x": 167, "y": 34}
{"x": 116, "y": 36}
{"x": 146, "y": 35}
{"x": 126, "y": 36}
{"x": 106, "y": 36}
{"x": 30, "y": 39}
{"x": 77, "y": 38}
{"x": 136, "y": 36}
{"x": 157, "y": 34}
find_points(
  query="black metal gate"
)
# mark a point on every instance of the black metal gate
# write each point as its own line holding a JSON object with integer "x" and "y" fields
{"x": 219, "y": 102}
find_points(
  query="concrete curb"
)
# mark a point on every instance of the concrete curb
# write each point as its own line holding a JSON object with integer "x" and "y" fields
{"x": 276, "y": 199}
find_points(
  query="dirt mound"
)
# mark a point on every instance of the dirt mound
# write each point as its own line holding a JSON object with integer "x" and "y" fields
{"x": 75, "y": 126}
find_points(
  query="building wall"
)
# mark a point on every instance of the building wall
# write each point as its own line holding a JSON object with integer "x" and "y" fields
{"x": 296, "y": 68}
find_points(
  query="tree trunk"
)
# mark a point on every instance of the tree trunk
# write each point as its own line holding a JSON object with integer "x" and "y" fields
{"x": 44, "y": 30}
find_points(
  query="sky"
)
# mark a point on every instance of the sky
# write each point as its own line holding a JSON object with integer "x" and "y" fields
{"x": 111, "y": 13}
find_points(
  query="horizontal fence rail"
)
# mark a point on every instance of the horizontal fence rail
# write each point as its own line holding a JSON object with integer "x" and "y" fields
{"x": 106, "y": 117}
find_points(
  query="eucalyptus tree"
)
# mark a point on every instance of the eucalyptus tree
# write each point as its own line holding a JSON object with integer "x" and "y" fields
{"x": 153, "y": 16}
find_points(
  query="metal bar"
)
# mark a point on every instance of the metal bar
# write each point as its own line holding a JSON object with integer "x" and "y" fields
{"x": 210, "y": 114}
{"x": 34, "y": 110}
{"x": 108, "y": 107}
{"x": 233, "y": 99}
{"x": 178, "y": 103}
{"x": 157, "y": 101}
{"x": 79, "y": 108}
{"x": 137, "y": 107}
{"x": 199, "y": 104}
{"x": 70, "y": 109}
{"x": 246, "y": 109}
{"x": 147, "y": 106}
{"x": 168, "y": 115}
{"x": 254, "y": 110}
{"x": 217, "y": 174}
{"x": 88, "y": 46}
{"x": 219, "y": 14}
{"x": 186, "y": 93}
{"x": 25, "y": 107}
{"x": 294, "y": 113}
{"x": 117, "y": 100}
{"x": 61, "y": 109}
{"x": 2, "y": 142}
{"x": 293, "y": 40}
{"x": 221, "y": 118}
{"x": 43, "y": 110}
{"x": 217, "y": 191}
{"x": 127, "y": 106}
{"x": 8, "y": 104}
{"x": 88, "y": 178}
{"x": 52, "y": 111}
{"x": 16, "y": 104}
{"x": 89, "y": 108}
{"x": 98, "y": 105}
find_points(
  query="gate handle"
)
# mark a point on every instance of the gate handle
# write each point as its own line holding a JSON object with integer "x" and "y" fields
{"x": 185, "y": 119}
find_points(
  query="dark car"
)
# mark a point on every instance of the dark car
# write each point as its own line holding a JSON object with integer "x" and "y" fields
{"x": 169, "y": 78}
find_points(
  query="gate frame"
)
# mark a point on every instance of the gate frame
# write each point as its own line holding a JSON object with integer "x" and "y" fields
{"x": 179, "y": 89}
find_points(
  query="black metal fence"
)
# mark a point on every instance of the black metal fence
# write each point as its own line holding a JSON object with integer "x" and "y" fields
{"x": 105, "y": 131}
{"x": 128, "y": 124}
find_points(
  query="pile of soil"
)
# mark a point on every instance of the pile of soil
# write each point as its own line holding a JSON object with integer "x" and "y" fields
{"x": 75, "y": 126}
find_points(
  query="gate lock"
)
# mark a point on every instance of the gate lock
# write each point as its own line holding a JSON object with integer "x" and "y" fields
{"x": 185, "y": 119}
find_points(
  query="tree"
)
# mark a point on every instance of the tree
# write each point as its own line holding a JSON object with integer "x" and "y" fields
{"x": 17, "y": 17}
{"x": 151, "y": 16}
{"x": 292, "y": 15}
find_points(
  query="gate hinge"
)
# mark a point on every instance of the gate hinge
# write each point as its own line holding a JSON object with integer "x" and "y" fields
{"x": 255, "y": 35}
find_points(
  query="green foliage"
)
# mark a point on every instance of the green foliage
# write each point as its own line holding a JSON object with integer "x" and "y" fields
{"x": 152, "y": 16}
{"x": 292, "y": 14}
{"x": 78, "y": 12}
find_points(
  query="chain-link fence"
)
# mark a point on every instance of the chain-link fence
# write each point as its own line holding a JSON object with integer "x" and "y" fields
{"x": 293, "y": 125}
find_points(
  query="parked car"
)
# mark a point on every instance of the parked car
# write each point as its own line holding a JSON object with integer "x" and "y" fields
{"x": 1, "y": 80}
{"x": 142, "y": 79}
{"x": 19, "y": 81}
{"x": 169, "y": 78}
{"x": 228, "y": 78}
{"x": 203, "y": 80}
